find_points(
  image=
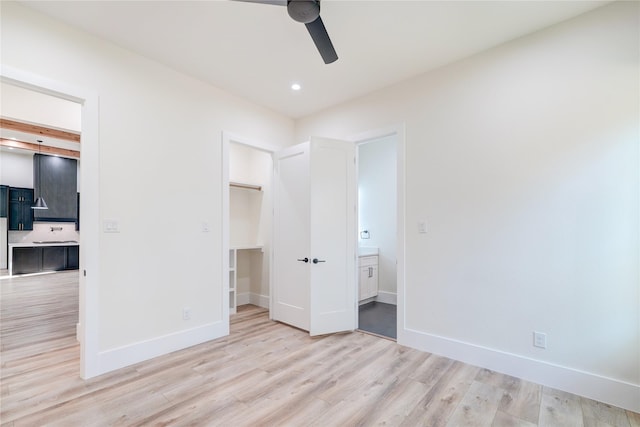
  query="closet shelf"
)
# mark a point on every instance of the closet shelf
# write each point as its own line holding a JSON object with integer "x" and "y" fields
{"x": 245, "y": 186}
{"x": 246, "y": 247}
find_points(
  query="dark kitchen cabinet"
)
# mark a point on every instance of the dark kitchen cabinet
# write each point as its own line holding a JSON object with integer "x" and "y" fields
{"x": 27, "y": 260}
{"x": 73, "y": 258}
{"x": 78, "y": 213}
{"x": 20, "y": 212}
{"x": 54, "y": 258}
{"x": 4, "y": 201}
{"x": 34, "y": 259}
{"x": 56, "y": 180}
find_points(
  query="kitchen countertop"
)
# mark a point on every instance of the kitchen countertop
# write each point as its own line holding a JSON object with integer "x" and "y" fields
{"x": 47, "y": 243}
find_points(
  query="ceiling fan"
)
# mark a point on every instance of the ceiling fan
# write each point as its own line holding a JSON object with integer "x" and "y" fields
{"x": 308, "y": 13}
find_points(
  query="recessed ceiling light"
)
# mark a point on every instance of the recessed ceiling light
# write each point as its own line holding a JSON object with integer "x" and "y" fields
{"x": 296, "y": 86}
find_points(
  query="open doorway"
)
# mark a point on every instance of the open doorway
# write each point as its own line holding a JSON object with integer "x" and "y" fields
{"x": 39, "y": 212}
{"x": 247, "y": 216}
{"x": 89, "y": 239}
{"x": 377, "y": 235}
{"x": 39, "y": 225}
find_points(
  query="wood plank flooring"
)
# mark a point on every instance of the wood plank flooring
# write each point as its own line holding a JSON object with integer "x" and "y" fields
{"x": 263, "y": 374}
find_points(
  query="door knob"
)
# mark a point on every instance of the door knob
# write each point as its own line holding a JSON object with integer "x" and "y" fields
{"x": 304, "y": 259}
{"x": 316, "y": 260}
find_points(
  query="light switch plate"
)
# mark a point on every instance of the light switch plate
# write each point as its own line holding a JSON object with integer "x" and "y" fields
{"x": 110, "y": 226}
{"x": 422, "y": 226}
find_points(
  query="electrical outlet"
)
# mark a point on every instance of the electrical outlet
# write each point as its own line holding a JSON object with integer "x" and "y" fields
{"x": 186, "y": 313}
{"x": 539, "y": 339}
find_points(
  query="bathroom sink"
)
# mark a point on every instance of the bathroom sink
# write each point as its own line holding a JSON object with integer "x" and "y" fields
{"x": 367, "y": 251}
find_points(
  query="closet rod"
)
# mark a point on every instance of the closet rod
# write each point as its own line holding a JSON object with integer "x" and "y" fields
{"x": 245, "y": 186}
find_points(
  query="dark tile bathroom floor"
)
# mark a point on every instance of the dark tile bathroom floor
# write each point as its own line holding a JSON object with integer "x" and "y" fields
{"x": 378, "y": 318}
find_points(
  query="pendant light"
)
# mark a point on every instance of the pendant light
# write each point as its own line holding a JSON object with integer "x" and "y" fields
{"x": 40, "y": 203}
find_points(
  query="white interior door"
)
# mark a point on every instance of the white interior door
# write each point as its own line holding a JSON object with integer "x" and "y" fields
{"x": 333, "y": 236}
{"x": 290, "y": 284}
{"x": 314, "y": 242}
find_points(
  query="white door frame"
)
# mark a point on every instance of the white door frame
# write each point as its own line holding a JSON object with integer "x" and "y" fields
{"x": 227, "y": 139}
{"x": 399, "y": 132}
{"x": 88, "y": 331}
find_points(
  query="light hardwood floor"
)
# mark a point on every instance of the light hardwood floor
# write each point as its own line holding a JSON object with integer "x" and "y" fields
{"x": 263, "y": 374}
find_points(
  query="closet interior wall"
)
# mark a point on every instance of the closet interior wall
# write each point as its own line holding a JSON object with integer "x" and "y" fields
{"x": 250, "y": 172}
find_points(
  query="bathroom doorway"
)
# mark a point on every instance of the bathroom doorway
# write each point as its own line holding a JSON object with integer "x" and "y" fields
{"x": 377, "y": 235}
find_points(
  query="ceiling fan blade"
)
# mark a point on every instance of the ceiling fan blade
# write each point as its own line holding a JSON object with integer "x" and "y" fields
{"x": 274, "y": 2}
{"x": 321, "y": 38}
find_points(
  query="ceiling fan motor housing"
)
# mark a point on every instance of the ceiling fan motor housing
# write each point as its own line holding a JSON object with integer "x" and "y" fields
{"x": 304, "y": 11}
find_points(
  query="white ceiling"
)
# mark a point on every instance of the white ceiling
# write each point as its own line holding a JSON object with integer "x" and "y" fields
{"x": 256, "y": 51}
{"x": 37, "y": 108}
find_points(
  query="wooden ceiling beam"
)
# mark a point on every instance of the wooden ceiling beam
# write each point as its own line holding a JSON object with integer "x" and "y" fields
{"x": 44, "y": 149}
{"x": 39, "y": 130}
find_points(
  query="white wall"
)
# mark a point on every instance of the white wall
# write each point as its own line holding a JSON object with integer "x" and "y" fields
{"x": 16, "y": 168}
{"x": 250, "y": 214}
{"x": 29, "y": 106}
{"x": 244, "y": 216}
{"x": 524, "y": 160}
{"x": 159, "y": 177}
{"x": 377, "y": 198}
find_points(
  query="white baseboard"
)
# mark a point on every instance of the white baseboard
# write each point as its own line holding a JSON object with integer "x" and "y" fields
{"x": 243, "y": 298}
{"x": 252, "y": 298}
{"x": 144, "y": 350}
{"x": 387, "y": 297}
{"x": 603, "y": 389}
{"x": 366, "y": 301}
{"x": 259, "y": 300}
